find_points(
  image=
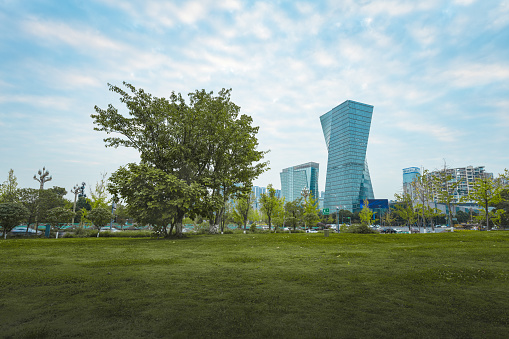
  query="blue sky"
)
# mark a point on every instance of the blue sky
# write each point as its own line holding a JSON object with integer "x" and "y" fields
{"x": 436, "y": 72}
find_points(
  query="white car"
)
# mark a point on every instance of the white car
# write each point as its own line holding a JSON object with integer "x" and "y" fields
{"x": 107, "y": 228}
{"x": 311, "y": 231}
{"x": 20, "y": 230}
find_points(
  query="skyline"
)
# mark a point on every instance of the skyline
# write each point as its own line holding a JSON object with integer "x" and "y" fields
{"x": 437, "y": 74}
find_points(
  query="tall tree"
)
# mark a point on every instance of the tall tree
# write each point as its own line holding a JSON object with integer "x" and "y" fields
{"x": 486, "y": 192}
{"x": 269, "y": 203}
{"x": 9, "y": 189}
{"x": 243, "y": 205}
{"x": 206, "y": 143}
{"x": 294, "y": 212}
{"x": 405, "y": 209}
{"x": 366, "y": 214}
{"x": 445, "y": 189}
{"x": 310, "y": 215}
{"x": 98, "y": 196}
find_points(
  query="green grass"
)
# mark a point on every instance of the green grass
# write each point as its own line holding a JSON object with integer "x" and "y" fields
{"x": 450, "y": 285}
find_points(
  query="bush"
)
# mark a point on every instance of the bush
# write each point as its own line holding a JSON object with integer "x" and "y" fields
{"x": 252, "y": 227}
{"x": 360, "y": 229}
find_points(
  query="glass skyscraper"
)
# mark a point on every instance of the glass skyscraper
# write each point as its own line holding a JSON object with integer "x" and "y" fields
{"x": 295, "y": 179}
{"x": 346, "y": 131}
{"x": 409, "y": 175}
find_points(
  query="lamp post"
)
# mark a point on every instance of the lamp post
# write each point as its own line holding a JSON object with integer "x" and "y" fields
{"x": 337, "y": 217}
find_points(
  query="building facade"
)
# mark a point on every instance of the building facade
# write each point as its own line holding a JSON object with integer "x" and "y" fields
{"x": 295, "y": 179}
{"x": 346, "y": 131}
{"x": 461, "y": 181}
{"x": 257, "y": 192}
{"x": 409, "y": 175}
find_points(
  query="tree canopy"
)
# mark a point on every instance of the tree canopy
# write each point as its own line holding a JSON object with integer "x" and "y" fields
{"x": 206, "y": 142}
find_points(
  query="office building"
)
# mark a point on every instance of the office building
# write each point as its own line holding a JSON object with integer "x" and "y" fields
{"x": 257, "y": 192}
{"x": 409, "y": 175}
{"x": 295, "y": 179}
{"x": 346, "y": 131}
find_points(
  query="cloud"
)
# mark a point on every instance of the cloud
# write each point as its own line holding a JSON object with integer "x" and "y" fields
{"x": 54, "y": 102}
{"x": 475, "y": 74}
{"x": 80, "y": 38}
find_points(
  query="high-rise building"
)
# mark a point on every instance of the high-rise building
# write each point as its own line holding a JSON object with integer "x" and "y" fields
{"x": 346, "y": 131}
{"x": 409, "y": 175}
{"x": 295, "y": 179}
{"x": 257, "y": 192}
{"x": 461, "y": 182}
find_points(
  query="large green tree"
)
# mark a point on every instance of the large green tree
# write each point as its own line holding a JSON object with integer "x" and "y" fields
{"x": 206, "y": 142}
{"x": 155, "y": 197}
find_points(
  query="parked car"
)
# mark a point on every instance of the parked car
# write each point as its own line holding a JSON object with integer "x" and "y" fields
{"x": 388, "y": 230}
{"x": 20, "y": 230}
{"x": 107, "y": 228}
{"x": 311, "y": 231}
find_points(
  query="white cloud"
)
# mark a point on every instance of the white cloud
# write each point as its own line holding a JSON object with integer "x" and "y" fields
{"x": 475, "y": 74}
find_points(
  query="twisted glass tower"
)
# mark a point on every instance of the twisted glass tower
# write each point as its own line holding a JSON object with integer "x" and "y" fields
{"x": 346, "y": 131}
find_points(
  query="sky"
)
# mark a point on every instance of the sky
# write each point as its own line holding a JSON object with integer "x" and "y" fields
{"x": 436, "y": 72}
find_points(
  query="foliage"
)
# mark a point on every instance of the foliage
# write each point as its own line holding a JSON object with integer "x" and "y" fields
{"x": 59, "y": 215}
{"x": 366, "y": 214}
{"x": 11, "y": 215}
{"x": 9, "y": 189}
{"x": 99, "y": 216}
{"x": 360, "y": 229}
{"x": 444, "y": 189}
{"x": 270, "y": 203}
{"x": 294, "y": 211}
{"x": 98, "y": 197}
{"x": 405, "y": 209}
{"x": 243, "y": 206}
{"x": 154, "y": 196}
{"x": 205, "y": 144}
{"x": 486, "y": 192}
{"x": 310, "y": 215}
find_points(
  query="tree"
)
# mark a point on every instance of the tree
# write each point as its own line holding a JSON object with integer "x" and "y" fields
{"x": 243, "y": 205}
{"x": 310, "y": 216}
{"x": 424, "y": 185}
{"x": 269, "y": 203}
{"x": 100, "y": 217}
{"x": 98, "y": 197}
{"x": 9, "y": 189}
{"x": 206, "y": 143}
{"x": 486, "y": 192}
{"x": 155, "y": 197}
{"x": 445, "y": 188}
{"x": 59, "y": 215}
{"x": 294, "y": 211}
{"x": 405, "y": 209}
{"x": 11, "y": 214}
{"x": 29, "y": 197}
{"x": 366, "y": 214}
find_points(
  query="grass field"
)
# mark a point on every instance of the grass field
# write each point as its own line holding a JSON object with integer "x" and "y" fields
{"x": 449, "y": 285}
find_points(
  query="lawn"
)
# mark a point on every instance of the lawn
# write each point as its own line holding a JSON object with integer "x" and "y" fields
{"x": 449, "y": 285}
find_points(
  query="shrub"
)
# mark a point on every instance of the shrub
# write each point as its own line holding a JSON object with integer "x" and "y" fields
{"x": 361, "y": 229}
{"x": 252, "y": 227}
